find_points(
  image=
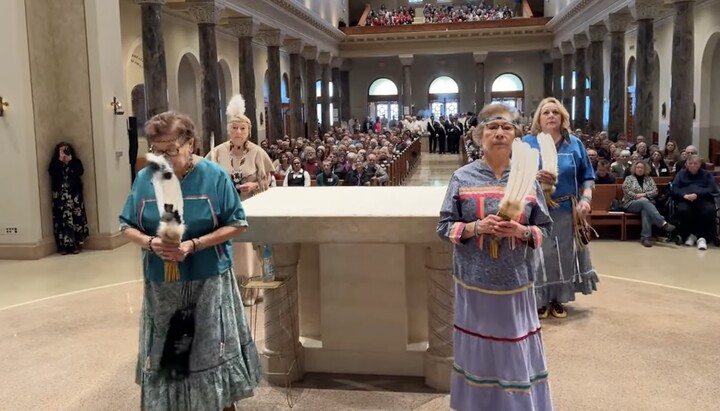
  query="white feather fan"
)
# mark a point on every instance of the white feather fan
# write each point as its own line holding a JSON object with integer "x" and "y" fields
{"x": 548, "y": 152}
{"x": 523, "y": 168}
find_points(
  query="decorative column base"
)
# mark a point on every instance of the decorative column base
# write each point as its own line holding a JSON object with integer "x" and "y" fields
{"x": 283, "y": 356}
{"x": 441, "y": 299}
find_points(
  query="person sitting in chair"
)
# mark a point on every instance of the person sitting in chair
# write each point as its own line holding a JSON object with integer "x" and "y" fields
{"x": 694, "y": 191}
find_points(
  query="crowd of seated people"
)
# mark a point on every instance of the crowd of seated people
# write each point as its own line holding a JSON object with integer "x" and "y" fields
{"x": 339, "y": 157}
{"x": 386, "y": 17}
{"x": 467, "y": 12}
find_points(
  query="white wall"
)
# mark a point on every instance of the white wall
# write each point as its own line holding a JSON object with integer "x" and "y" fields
{"x": 20, "y": 202}
{"x": 330, "y": 11}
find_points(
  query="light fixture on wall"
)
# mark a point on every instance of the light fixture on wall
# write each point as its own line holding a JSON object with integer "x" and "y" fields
{"x": 4, "y": 105}
{"x": 117, "y": 107}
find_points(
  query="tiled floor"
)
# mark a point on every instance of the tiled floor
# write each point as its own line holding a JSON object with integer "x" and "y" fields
{"x": 648, "y": 340}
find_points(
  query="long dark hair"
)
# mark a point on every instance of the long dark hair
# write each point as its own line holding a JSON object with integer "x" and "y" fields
{"x": 56, "y": 166}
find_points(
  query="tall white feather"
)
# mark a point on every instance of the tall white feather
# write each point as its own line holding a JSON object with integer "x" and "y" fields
{"x": 523, "y": 167}
{"x": 236, "y": 106}
{"x": 548, "y": 152}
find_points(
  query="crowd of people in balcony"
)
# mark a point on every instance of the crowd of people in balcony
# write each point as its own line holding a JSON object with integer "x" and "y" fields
{"x": 439, "y": 14}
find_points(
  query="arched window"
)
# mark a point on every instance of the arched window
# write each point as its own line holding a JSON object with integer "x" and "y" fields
{"x": 443, "y": 95}
{"x": 318, "y": 94}
{"x": 284, "y": 92}
{"x": 508, "y": 89}
{"x": 587, "y": 97}
{"x": 383, "y": 100}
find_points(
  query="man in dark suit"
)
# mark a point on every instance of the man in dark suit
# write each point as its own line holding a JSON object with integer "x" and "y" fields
{"x": 455, "y": 132}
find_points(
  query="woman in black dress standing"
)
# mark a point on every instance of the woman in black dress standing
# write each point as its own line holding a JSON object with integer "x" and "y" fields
{"x": 69, "y": 218}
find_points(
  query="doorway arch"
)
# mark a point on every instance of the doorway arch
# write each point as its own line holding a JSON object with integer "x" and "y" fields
{"x": 383, "y": 99}
{"x": 509, "y": 89}
{"x": 189, "y": 88}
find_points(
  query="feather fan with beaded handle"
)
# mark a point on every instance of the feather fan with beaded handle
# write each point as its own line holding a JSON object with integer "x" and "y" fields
{"x": 548, "y": 153}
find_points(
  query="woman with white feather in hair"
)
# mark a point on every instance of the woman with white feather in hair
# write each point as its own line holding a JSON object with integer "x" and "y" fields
{"x": 569, "y": 179}
{"x": 251, "y": 171}
{"x": 495, "y": 215}
{"x": 196, "y": 350}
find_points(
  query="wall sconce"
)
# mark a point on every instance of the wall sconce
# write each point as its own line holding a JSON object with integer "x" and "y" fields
{"x": 4, "y": 105}
{"x": 117, "y": 107}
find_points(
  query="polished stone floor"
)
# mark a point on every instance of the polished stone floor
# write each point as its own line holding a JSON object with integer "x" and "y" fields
{"x": 647, "y": 340}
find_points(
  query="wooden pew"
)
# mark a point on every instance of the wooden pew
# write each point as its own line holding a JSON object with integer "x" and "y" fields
{"x": 600, "y": 216}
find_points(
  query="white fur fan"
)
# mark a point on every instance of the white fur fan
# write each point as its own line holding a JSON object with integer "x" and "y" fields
{"x": 169, "y": 199}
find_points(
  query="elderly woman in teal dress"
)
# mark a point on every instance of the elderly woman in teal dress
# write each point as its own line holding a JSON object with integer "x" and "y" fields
{"x": 565, "y": 267}
{"x": 222, "y": 364}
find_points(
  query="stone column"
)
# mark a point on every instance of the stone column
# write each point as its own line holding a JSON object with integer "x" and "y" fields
{"x": 294, "y": 47}
{"x": 597, "y": 36}
{"x": 337, "y": 91}
{"x": 345, "y": 91}
{"x": 547, "y": 77}
{"x": 441, "y": 299}
{"x": 273, "y": 39}
{"x": 406, "y": 60}
{"x": 206, "y": 15}
{"x": 617, "y": 24}
{"x": 282, "y": 347}
{"x": 682, "y": 74}
{"x": 154, "y": 66}
{"x": 557, "y": 73}
{"x": 311, "y": 55}
{"x": 644, "y": 12}
{"x": 324, "y": 60}
{"x": 479, "y": 59}
{"x": 580, "y": 42}
{"x": 245, "y": 28}
{"x": 567, "y": 70}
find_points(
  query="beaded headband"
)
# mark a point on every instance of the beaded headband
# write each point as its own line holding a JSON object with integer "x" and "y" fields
{"x": 491, "y": 119}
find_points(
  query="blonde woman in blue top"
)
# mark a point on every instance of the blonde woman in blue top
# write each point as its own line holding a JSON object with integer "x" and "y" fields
{"x": 221, "y": 364}
{"x": 565, "y": 266}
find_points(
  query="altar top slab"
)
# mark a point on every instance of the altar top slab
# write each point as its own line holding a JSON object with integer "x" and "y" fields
{"x": 344, "y": 214}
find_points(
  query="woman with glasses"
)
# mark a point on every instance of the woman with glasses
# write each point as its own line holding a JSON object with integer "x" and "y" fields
{"x": 196, "y": 349}
{"x": 564, "y": 257}
{"x": 251, "y": 171}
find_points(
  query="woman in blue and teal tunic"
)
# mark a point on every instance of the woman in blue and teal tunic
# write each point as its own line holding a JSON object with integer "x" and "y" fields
{"x": 221, "y": 365}
{"x": 565, "y": 261}
{"x": 498, "y": 350}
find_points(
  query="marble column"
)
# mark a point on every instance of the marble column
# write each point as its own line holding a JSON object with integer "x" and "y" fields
{"x": 294, "y": 47}
{"x": 310, "y": 54}
{"x": 597, "y": 34}
{"x": 617, "y": 24}
{"x": 682, "y": 74}
{"x": 479, "y": 59}
{"x": 337, "y": 91}
{"x": 557, "y": 73}
{"x": 324, "y": 60}
{"x": 406, "y": 60}
{"x": 282, "y": 351}
{"x": 567, "y": 70}
{"x": 644, "y": 12}
{"x": 580, "y": 42}
{"x": 245, "y": 28}
{"x": 274, "y": 125}
{"x": 207, "y": 15}
{"x": 441, "y": 299}
{"x": 154, "y": 66}
{"x": 547, "y": 78}
{"x": 345, "y": 93}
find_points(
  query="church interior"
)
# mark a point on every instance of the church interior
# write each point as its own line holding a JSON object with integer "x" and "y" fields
{"x": 385, "y": 96}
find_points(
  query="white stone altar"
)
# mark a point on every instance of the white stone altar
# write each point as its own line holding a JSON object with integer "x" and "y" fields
{"x": 372, "y": 280}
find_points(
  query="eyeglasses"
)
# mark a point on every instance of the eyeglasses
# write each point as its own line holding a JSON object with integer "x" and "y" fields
{"x": 170, "y": 153}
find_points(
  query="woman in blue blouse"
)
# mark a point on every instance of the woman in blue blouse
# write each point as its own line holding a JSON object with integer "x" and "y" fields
{"x": 565, "y": 262}
{"x": 221, "y": 364}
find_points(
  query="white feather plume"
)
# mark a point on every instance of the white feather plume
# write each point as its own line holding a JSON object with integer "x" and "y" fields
{"x": 523, "y": 167}
{"x": 236, "y": 107}
{"x": 548, "y": 153}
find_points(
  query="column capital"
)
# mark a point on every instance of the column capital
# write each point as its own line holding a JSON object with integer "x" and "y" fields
{"x": 324, "y": 58}
{"x": 597, "y": 32}
{"x": 310, "y": 53}
{"x": 555, "y": 53}
{"x": 580, "y": 41}
{"x": 293, "y": 46}
{"x": 566, "y": 48}
{"x": 243, "y": 26}
{"x": 618, "y": 22}
{"x": 406, "y": 59}
{"x": 271, "y": 38}
{"x": 206, "y": 12}
{"x": 480, "y": 56}
{"x": 160, "y": 2}
{"x": 336, "y": 62}
{"x": 645, "y": 9}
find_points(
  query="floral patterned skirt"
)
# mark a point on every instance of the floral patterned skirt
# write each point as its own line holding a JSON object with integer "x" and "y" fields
{"x": 69, "y": 220}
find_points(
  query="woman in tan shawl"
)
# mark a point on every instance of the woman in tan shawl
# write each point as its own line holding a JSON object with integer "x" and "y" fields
{"x": 250, "y": 169}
